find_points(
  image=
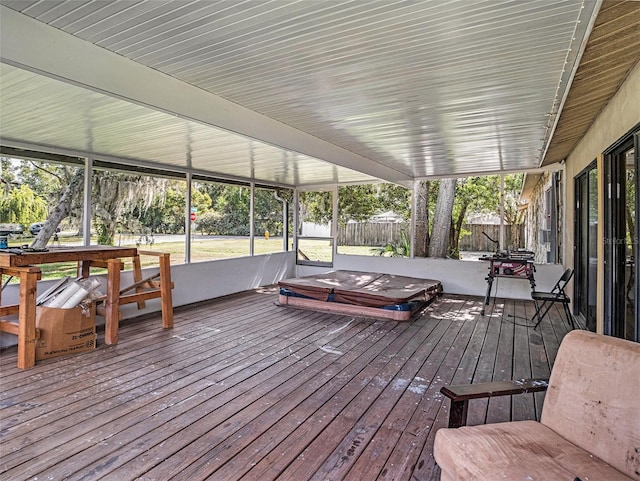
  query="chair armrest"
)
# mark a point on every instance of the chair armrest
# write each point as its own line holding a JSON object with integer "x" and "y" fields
{"x": 460, "y": 395}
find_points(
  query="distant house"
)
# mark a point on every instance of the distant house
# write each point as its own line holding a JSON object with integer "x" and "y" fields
{"x": 483, "y": 219}
{"x": 386, "y": 217}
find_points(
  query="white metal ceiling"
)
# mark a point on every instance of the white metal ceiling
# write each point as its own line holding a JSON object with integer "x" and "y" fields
{"x": 78, "y": 121}
{"x": 422, "y": 88}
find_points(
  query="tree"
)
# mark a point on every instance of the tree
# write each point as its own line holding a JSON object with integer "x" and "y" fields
{"x": 7, "y": 176}
{"x": 473, "y": 194}
{"x": 22, "y": 206}
{"x": 118, "y": 198}
{"x": 50, "y": 181}
{"x": 439, "y": 242}
{"x": 210, "y": 223}
{"x": 357, "y": 203}
{"x": 146, "y": 204}
{"x": 513, "y": 215}
{"x": 60, "y": 211}
{"x": 268, "y": 210}
{"x": 233, "y": 205}
{"x": 165, "y": 215}
{"x": 395, "y": 198}
{"x": 316, "y": 207}
{"x": 116, "y": 193}
{"x": 421, "y": 235}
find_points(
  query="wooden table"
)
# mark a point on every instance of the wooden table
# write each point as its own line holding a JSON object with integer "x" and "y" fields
{"x": 24, "y": 266}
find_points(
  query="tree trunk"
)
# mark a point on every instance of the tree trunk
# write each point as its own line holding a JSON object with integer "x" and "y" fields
{"x": 456, "y": 230}
{"x": 60, "y": 211}
{"x": 439, "y": 242}
{"x": 421, "y": 235}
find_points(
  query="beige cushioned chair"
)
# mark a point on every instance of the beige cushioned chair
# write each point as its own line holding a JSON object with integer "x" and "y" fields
{"x": 589, "y": 428}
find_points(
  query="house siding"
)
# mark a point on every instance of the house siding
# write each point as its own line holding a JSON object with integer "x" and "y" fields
{"x": 617, "y": 118}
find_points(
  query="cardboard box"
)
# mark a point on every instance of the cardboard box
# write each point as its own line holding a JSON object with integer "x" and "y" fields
{"x": 65, "y": 331}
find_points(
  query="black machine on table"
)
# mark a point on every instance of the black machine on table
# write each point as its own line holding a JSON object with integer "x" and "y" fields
{"x": 513, "y": 265}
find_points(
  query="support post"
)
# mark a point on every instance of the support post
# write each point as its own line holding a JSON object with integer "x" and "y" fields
{"x": 86, "y": 220}
{"x": 334, "y": 222}
{"x": 165, "y": 291}
{"x": 112, "y": 302}
{"x": 502, "y": 236}
{"x": 27, "y": 317}
{"x": 187, "y": 221}
{"x": 252, "y": 215}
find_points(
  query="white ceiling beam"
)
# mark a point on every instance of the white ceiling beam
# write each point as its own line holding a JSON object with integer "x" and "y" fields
{"x": 481, "y": 173}
{"x": 37, "y": 47}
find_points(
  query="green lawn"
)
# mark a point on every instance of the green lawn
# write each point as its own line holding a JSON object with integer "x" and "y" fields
{"x": 202, "y": 249}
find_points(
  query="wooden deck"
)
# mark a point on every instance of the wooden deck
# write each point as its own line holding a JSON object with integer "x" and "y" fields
{"x": 241, "y": 389}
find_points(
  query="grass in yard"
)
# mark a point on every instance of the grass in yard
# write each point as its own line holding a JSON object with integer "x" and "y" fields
{"x": 357, "y": 250}
{"x": 202, "y": 249}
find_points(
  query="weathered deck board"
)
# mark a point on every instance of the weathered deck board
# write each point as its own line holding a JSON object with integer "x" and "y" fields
{"x": 522, "y": 407}
{"x": 241, "y": 389}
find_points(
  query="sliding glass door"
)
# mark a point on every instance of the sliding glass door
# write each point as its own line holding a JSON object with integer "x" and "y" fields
{"x": 622, "y": 286}
{"x": 586, "y": 246}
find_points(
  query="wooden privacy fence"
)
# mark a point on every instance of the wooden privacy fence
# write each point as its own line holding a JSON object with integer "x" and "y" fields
{"x": 371, "y": 234}
{"x": 379, "y": 234}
